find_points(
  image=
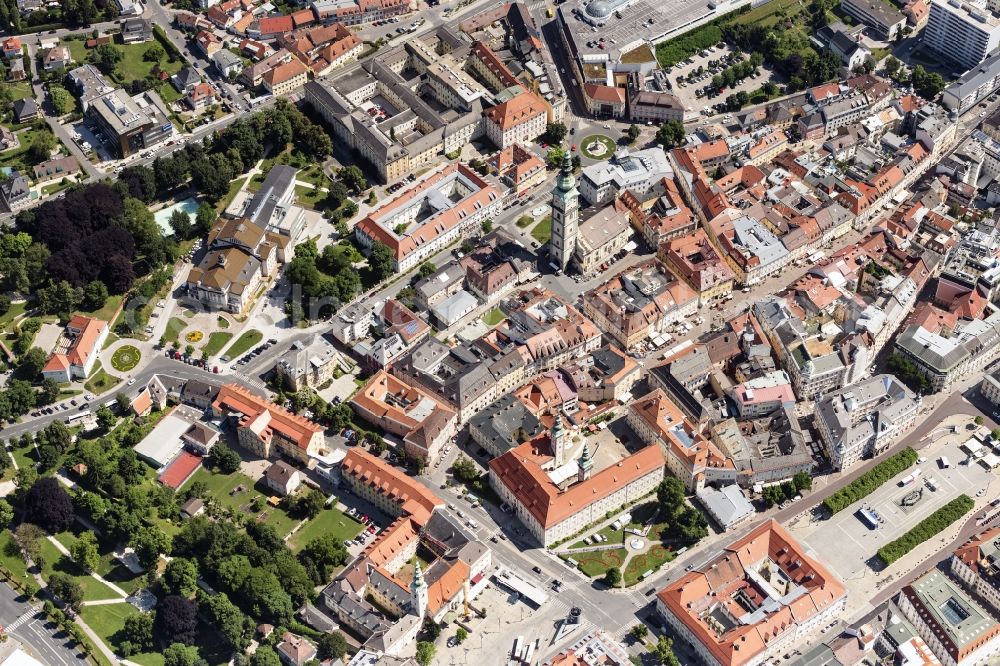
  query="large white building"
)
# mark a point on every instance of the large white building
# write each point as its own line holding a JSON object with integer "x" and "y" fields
{"x": 864, "y": 418}
{"x": 435, "y": 212}
{"x": 637, "y": 172}
{"x": 964, "y": 32}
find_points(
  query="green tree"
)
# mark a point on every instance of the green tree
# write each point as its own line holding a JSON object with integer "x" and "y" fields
{"x": 138, "y": 632}
{"x": 487, "y": 226}
{"x": 226, "y": 617}
{"x": 223, "y": 458}
{"x": 153, "y": 53}
{"x": 179, "y": 654}
{"x": 464, "y": 469}
{"x": 461, "y": 634}
{"x": 67, "y": 589}
{"x": 426, "y": 270}
{"x": 106, "y": 419}
{"x": 106, "y": 57}
{"x": 331, "y": 646}
{"x": 613, "y": 577}
{"x": 42, "y": 146}
{"x": 85, "y": 552}
{"x": 633, "y": 133}
{"x": 180, "y": 222}
{"x": 149, "y": 543}
{"x": 802, "y": 481}
{"x": 353, "y": 178}
{"x": 425, "y": 653}
{"x": 979, "y": 420}
{"x": 31, "y": 363}
{"x": 180, "y": 577}
{"x": 554, "y": 158}
{"x": 95, "y": 295}
{"x": 62, "y": 101}
{"x": 670, "y": 496}
{"x": 892, "y": 66}
{"x": 204, "y": 218}
{"x": 6, "y": 511}
{"x": 265, "y": 656}
{"x": 381, "y": 261}
{"x": 310, "y": 503}
{"x": 663, "y": 652}
{"x": 555, "y": 132}
{"x": 670, "y": 134}
{"x": 639, "y": 632}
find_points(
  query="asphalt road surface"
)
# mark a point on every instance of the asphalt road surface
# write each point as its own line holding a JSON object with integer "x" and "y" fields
{"x": 39, "y": 638}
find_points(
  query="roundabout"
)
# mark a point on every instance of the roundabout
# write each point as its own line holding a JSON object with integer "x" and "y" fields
{"x": 125, "y": 358}
{"x": 597, "y": 147}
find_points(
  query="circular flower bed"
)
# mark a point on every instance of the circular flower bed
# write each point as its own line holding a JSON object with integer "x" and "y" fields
{"x": 194, "y": 336}
{"x": 125, "y": 358}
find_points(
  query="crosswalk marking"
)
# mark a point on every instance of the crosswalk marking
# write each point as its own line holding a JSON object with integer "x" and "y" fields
{"x": 26, "y": 617}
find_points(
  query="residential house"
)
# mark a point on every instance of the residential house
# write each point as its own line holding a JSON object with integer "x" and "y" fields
{"x": 282, "y": 478}
{"x": 87, "y": 337}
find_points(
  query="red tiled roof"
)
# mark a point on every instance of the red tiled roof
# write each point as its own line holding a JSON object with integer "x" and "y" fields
{"x": 518, "y": 110}
{"x": 415, "y": 498}
{"x": 275, "y": 25}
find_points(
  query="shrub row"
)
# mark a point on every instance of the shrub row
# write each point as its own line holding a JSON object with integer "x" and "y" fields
{"x": 926, "y": 529}
{"x": 869, "y": 482}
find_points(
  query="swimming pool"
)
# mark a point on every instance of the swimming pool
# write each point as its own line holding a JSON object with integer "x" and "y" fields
{"x": 162, "y": 217}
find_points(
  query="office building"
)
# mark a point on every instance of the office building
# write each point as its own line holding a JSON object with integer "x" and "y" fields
{"x": 962, "y": 32}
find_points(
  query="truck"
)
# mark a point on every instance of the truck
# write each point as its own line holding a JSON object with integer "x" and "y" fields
{"x": 944, "y": 462}
{"x": 910, "y": 478}
{"x": 932, "y": 483}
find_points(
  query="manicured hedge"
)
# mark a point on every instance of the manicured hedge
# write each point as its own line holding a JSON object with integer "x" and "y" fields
{"x": 869, "y": 482}
{"x": 926, "y": 529}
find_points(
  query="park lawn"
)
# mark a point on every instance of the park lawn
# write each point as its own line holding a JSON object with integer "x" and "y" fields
{"x": 654, "y": 558}
{"x": 100, "y": 381}
{"x": 19, "y": 90}
{"x": 314, "y": 175}
{"x": 216, "y": 341}
{"x": 221, "y": 485}
{"x": 494, "y": 317}
{"x": 24, "y": 456}
{"x": 525, "y": 221}
{"x": 597, "y": 562}
{"x": 174, "y": 328}
{"x": 18, "y": 157}
{"x": 16, "y": 310}
{"x": 106, "y": 312}
{"x": 234, "y": 187}
{"x": 10, "y": 558}
{"x": 76, "y": 49}
{"x": 328, "y": 521}
{"x": 244, "y": 343}
{"x": 308, "y": 196}
{"x": 542, "y": 231}
{"x": 108, "y": 620}
{"x": 54, "y": 561}
{"x": 168, "y": 93}
{"x": 222, "y": 322}
{"x": 57, "y": 186}
{"x": 767, "y": 11}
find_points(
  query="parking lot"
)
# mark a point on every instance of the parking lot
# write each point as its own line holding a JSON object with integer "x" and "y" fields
{"x": 693, "y": 92}
{"x": 848, "y": 545}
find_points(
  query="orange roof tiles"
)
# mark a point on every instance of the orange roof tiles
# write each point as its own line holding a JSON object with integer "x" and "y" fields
{"x": 235, "y": 398}
{"x": 520, "y": 109}
{"x": 520, "y": 471}
{"x": 414, "y": 497}
{"x": 690, "y": 598}
{"x": 274, "y": 25}
{"x": 611, "y": 94}
{"x": 444, "y": 589}
{"x": 285, "y": 72}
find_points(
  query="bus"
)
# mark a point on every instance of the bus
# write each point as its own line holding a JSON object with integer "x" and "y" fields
{"x": 868, "y": 518}
{"x": 76, "y": 418}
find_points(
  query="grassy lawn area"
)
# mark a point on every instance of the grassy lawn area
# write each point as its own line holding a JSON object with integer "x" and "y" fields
{"x": 604, "y": 149}
{"x": 109, "y": 620}
{"x": 494, "y": 317}
{"x": 18, "y": 157}
{"x": 16, "y": 310}
{"x": 329, "y": 521}
{"x": 222, "y": 322}
{"x": 216, "y": 341}
{"x": 25, "y": 457}
{"x": 57, "y": 186}
{"x": 110, "y": 307}
{"x": 765, "y": 12}
{"x": 133, "y": 65}
{"x": 308, "y": 196}
{"x": 244, "y": 343}
{"x": 18, "y": 89}
{"x": 222, "y": 486}
{"x": 100, "y": 381}
{"x": 10, "y": 557}
{"x": 543, "y": 230}
{"x": 234, "y": 187}
{"x": 55, "y": 561}
{"x": 174, "y": 328}
{"x": 597, "y": 562}
{"x": 168, "y": 93}
{"x": 656, "y": 557}
{"x": 525, "y": 221}
{"x": 313, "y": 174}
